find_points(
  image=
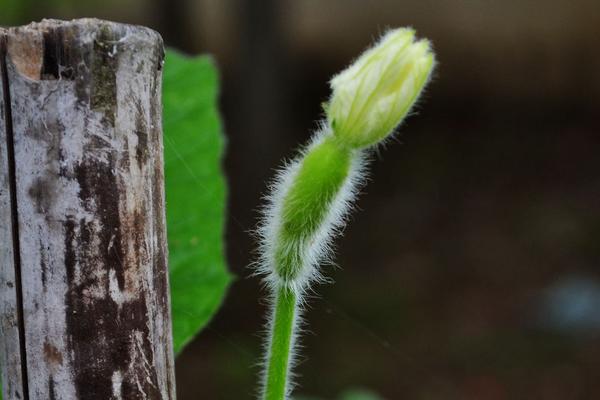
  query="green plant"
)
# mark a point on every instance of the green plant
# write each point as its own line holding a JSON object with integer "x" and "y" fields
{"x": 312, "y": 194}
{"x": 352, "y": 394}
{"x": 195, "y": 193}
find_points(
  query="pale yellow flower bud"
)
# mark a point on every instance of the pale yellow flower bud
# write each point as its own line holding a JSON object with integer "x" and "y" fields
{"x": 373, "y": 95}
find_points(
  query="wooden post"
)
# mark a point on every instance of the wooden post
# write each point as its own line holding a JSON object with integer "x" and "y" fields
{"x": 84, "y": 303}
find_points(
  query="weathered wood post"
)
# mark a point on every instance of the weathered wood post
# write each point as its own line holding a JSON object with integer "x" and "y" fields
{"x": 84, "y": 303}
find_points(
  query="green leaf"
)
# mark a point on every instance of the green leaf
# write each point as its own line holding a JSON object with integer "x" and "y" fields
{"x": 353, "y": 394}
{"x": 359, "y": 394}
{"x": 13, "y": 11}
{"x": 195, "y": 193}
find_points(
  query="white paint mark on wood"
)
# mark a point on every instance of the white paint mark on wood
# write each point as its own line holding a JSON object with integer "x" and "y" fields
{"x": 117, "y": 382}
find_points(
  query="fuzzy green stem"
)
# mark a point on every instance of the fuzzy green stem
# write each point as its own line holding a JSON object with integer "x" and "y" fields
{"x": 324, "y": 170}
{"x": 282, "y": 336}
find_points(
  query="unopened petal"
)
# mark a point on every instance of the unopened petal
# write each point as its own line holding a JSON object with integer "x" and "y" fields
{"x": 374, "y": 94}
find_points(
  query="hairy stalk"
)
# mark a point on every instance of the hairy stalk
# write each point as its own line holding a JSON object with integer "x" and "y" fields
{"x": 282, "y": 333}
{"x": 312, "y": 195}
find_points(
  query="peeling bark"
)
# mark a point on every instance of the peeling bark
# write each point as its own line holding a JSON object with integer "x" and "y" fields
{"x": 84, "y": 132}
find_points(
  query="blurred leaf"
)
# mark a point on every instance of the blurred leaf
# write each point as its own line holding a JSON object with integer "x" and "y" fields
{"x": 359, "y": 394}
{"x": 195, "y": 193}
{"x": 306, "y": 398}
{"x": 12, "y": 10}
{"x": 353, "y": 394}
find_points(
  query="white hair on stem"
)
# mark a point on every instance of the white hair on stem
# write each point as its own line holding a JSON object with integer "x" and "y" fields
{"x": 318, "y": 249}
{"x": 295, "y": 346}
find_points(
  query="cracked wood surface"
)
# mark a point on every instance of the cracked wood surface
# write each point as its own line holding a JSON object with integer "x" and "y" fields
{"x": 85, "y": 138}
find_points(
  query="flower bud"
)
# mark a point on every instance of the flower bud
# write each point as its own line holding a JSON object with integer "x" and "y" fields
{"x": 373, "y": 95}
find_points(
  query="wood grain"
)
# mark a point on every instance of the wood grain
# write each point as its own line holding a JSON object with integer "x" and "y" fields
{"x": 88, "y": 154}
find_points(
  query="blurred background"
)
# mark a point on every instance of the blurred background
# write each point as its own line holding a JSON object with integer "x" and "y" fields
{"x": 472, "y": 270}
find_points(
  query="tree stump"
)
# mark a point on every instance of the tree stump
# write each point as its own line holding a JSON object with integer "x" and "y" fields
{"x": 84, "y": 300}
